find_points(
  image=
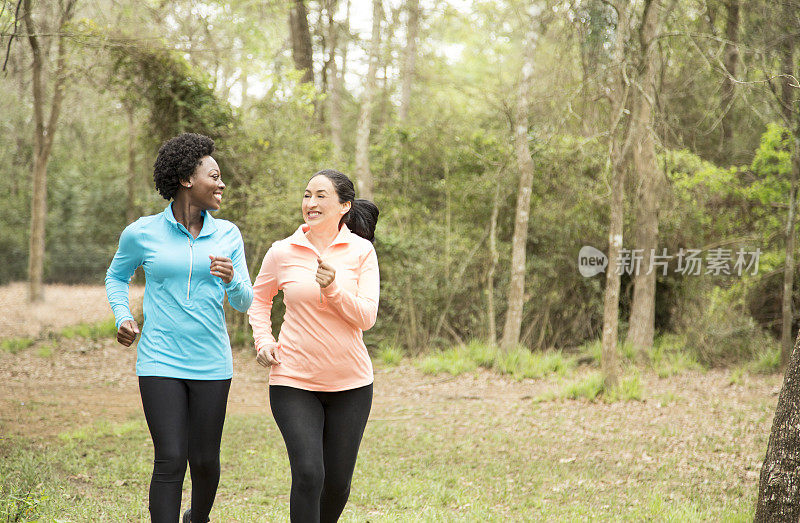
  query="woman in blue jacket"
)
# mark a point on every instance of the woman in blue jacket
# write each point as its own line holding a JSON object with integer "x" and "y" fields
{"x": 183, "y": 361}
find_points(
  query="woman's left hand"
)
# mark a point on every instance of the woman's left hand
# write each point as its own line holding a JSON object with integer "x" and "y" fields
{"x": 222, "y": 267}
{"x": 325, "y": 274}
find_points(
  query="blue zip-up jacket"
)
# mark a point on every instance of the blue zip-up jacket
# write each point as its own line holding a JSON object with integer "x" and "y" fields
{"x": 184, "y": 333}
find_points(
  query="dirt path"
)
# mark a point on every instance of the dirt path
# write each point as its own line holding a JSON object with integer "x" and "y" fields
{"x": 64, "y": 305}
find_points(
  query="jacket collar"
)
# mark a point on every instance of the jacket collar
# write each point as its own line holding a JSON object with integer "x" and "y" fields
{"x": 299, "y": 237}
{"x": 209, "y": 223}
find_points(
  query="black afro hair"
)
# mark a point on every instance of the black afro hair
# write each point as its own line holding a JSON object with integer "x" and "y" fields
{"x": 177, "y": 159}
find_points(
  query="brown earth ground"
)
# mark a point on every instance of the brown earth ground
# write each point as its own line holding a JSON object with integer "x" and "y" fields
{"x": 695, "y": 420}
{"x": 64, "y": 305}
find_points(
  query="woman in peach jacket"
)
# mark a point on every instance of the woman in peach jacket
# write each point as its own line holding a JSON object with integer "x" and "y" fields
{"x": 320, "y": 378}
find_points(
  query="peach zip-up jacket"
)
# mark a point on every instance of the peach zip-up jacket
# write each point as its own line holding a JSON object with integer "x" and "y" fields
{"x": 320, "y": 346}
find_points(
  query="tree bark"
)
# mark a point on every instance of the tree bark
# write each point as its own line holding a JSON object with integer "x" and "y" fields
{"x": 787, "y": 95}
{"x": 130, "y": 210}
{"x": 642, "y": 319}
{"x": 407, "y": 76}
{"x": 43, "y": 142}
{"x": 409, "y": 59}
{"x": 494, "y": 258}
{"x": 363, "y": 173}
{"x": 302, "y": 51}
{"x": 731, "y": 61}
{"x": 516, "y": 292}
{"x": 336, "y": 92}
{"x": 617, "y": 152}
{"x": 779, "y": 483}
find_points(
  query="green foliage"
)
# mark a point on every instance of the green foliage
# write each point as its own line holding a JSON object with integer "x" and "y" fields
{"x": 45, "y": 351}
{"x": 180, "y": 98}
{"x": 591, "y": 387}
{"x": 588, "y": 387}
{"x": 453, "y": 362}
{"x": 670, "y": 356}
{"x": 520, "y": 362}
{"x": 15, "y": 345}
{"x": 16, "y": 505}
{"x": 95, "y": 331}
{"x": 628, "y": 389}
{"x": 736, "y": 377}
{"x": 718, "y": 332}
{"x": 389, "y": 355}
{"x": 767, "y": 360}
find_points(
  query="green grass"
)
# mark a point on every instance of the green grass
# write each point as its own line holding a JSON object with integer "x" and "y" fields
{"x": 452, "y": 361}
{"x": 737, "y": 376}
{"x": 591, "y": 387}
{"x": 594, "y": 350}
{"x": 767, "y": 361}
{"x": 45, "y": 351}
{"x": 519, "y": 362}
{"x": 588, "y": 387}
{"x": 93, "y": 331}
{"x": 670, "y": 356}
{"x": 422, "y": 468}
{"x": 15, "y": 345}
{"x": 389, "y": 355}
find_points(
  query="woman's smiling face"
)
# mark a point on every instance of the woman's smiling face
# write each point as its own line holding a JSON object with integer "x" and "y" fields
{"x": 321, "y": 206}
{"x": 207, "y": 186}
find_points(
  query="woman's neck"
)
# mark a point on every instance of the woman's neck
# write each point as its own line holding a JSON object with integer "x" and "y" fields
{"x": 321, "y": 237}
{"x": 188, "y": 215}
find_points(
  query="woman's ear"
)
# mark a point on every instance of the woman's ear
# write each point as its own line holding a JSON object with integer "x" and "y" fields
{"x": 187, "y": 183}
{"x": 345, "y": 208}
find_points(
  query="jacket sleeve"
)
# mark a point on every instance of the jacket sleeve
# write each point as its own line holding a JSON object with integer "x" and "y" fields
{"x": 118, "y": 276}
{"x": 239, "y": 290}
{"x": 264, "y": 290}
{"x": 359, "y": 309}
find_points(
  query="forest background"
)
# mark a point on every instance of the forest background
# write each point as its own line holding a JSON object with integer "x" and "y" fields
{"x": 476, "y": 127}
{"x": 497, "y": 138}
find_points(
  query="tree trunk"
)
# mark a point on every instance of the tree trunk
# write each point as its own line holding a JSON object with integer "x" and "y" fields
{"x": 409, "y": 59}
{"x": 789, "y": 116}
{"x": 407, "y": 76}
{"x": 302, "y": 51}
{"x": 779, "y": 484}
{"x": 516, "y": 292}
{"x": 363, "y": 173}
{"x": 617, "y": 151}
{"x": 642, "y": 319}
{"x": 728, "y": 86}
{"x": 611, "y": 294}
{"x": 43, "y": 143}
{"x": 130, "y": 210}
{"x": 494, "y": 258}
{"x": 336, "y": 93}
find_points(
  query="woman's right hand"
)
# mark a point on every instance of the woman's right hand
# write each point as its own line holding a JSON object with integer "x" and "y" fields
{"x": 266, "y": 355}
{"x": 127, "y": 332}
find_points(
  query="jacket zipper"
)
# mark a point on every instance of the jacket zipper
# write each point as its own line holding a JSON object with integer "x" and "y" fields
{"x": 191, "y": 263}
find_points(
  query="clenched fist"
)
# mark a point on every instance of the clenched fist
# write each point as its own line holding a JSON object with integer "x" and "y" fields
{"x": 325, "y": 273}
{"x": 127, "y": 332}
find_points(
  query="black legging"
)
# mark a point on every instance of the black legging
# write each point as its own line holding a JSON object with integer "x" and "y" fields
{"x": 185, "y": 418}
{"x": 322, "y": 432}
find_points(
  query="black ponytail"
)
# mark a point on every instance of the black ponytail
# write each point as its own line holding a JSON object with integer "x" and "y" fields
{"x": 362, "y": 218}
{"x": 363, "y": 214}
